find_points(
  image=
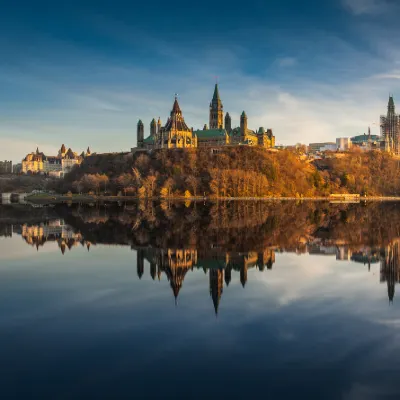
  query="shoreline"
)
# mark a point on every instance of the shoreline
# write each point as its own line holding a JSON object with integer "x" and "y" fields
{"x": 87, "y": 199}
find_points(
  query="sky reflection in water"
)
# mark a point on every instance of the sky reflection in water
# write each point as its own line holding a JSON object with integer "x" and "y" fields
{"x": 293, "y": 321}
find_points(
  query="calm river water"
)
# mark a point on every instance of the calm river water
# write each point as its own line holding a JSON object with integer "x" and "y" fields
{"x": 193, "y": 301}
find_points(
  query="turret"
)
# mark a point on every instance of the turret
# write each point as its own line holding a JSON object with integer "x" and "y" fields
{"x": 153, "y": 127}
{"x": 228, "y": 123}
{"x": 243, "y": 125}
{"x": 159, "y": 125}
{"x": 140, "y": 134}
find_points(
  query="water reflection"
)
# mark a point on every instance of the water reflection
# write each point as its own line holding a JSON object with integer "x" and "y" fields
{"x": 219, "y": 238}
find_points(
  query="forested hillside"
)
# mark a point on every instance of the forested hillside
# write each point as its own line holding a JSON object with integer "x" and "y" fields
{"x": 234, "y": 172}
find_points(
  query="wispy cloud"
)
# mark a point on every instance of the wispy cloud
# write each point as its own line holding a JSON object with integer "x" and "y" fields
{"x": 336, "y": 89}
{"x": 287, "y": 61}
{"x": 359, "y": 7}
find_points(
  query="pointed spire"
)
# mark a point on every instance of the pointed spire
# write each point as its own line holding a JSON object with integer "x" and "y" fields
{"x": 88, "y": 151}
{"x": 37, "y": 150}
{"x": 391, "y": 108}
{"x": 216, "y": 94}
{"x": 175, "y": 108}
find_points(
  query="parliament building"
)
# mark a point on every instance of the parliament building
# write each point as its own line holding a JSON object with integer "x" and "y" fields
{"x": 219, "y": 132}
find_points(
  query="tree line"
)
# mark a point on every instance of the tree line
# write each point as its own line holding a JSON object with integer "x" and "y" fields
{"x": 233, "y": 172}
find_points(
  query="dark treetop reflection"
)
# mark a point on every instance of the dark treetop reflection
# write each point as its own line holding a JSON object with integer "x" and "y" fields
{"x": 76, "y": 322}
{"x": 219, "y": 238}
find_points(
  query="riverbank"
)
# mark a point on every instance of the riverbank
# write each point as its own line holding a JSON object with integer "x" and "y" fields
{"x": 86, "y": 199}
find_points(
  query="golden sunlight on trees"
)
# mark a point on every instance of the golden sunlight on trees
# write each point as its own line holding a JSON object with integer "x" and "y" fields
{"x": 235, "y": 172}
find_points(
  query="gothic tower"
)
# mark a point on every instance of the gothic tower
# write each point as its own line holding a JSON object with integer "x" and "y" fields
{"x": 140, "y": 263}
{"x": 153, "y": 127}
{"x": 140, "y": 134}
{"x": 216, "y": 110}
{"x": 158, "y": 125}
{"x": 216, "y": 285}
{"x": 228, "y": 123}
{"x": 390, "y": 128}
{"x": 243, "y": 126}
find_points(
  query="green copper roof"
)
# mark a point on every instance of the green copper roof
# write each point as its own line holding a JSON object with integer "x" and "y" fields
{"x": 211, "y": 263}
{"x": 153, "y": 121}
{"x": 364, "y": 138}
{"x": 140, "y": 122}
{"x": 210, "y": 133}
{"x": 216, "y": 93}
{"x": 236, "y": 132}
{"x": 149, "y": 139}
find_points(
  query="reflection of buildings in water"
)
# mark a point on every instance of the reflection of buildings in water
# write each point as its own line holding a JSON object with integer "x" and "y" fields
{"x": 6, "y": 230}
{"x": 216, "y": 286}
{"x": 343, "y": 253}
{"x": 390, "y": 267}
{"x": 366, "y": 256}
{"x": 175, "y": 264}
{"x": 322, "y": 250}
{"x": 52, "y": 231}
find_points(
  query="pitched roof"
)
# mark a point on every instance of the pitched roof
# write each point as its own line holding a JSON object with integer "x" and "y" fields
{"x": 176, "y": 121}
{"x": 175, "y": 108}
{"x": 210, "y": 133}
{"x": 236, "y": 132}
{"x": 149, "y": 139}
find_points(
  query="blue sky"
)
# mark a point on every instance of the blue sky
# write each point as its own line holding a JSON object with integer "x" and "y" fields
{"x": 83, "y": 73}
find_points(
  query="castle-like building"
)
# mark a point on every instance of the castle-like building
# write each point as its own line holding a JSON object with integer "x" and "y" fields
{"x": 55, "y": 166}
{"x": 177, "y": 134}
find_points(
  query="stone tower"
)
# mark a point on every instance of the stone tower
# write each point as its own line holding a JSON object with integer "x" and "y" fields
{"x": 216, "y": 285}
{"x": 140, "y": 134}
{"x": 390, "y": 128}
{"x": 159, "y": 125}
{"x": 216, "y": 110}
{"x": 153, "y": 127}
{"x": 228, "y": 123}
{"x": 243, "y": 126}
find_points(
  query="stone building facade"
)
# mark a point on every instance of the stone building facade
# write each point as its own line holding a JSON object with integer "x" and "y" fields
{"x": 175, "y": 133}
{"x": 55, "y": 166}
{"x": 219, "y": 132}
{"x": 6, "y": 167}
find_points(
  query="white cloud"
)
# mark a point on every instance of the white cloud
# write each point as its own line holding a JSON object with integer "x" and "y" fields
{"x": 359, "y": 7}
{"x": 101, "y": 106}
{"x": 287, "y": 61}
